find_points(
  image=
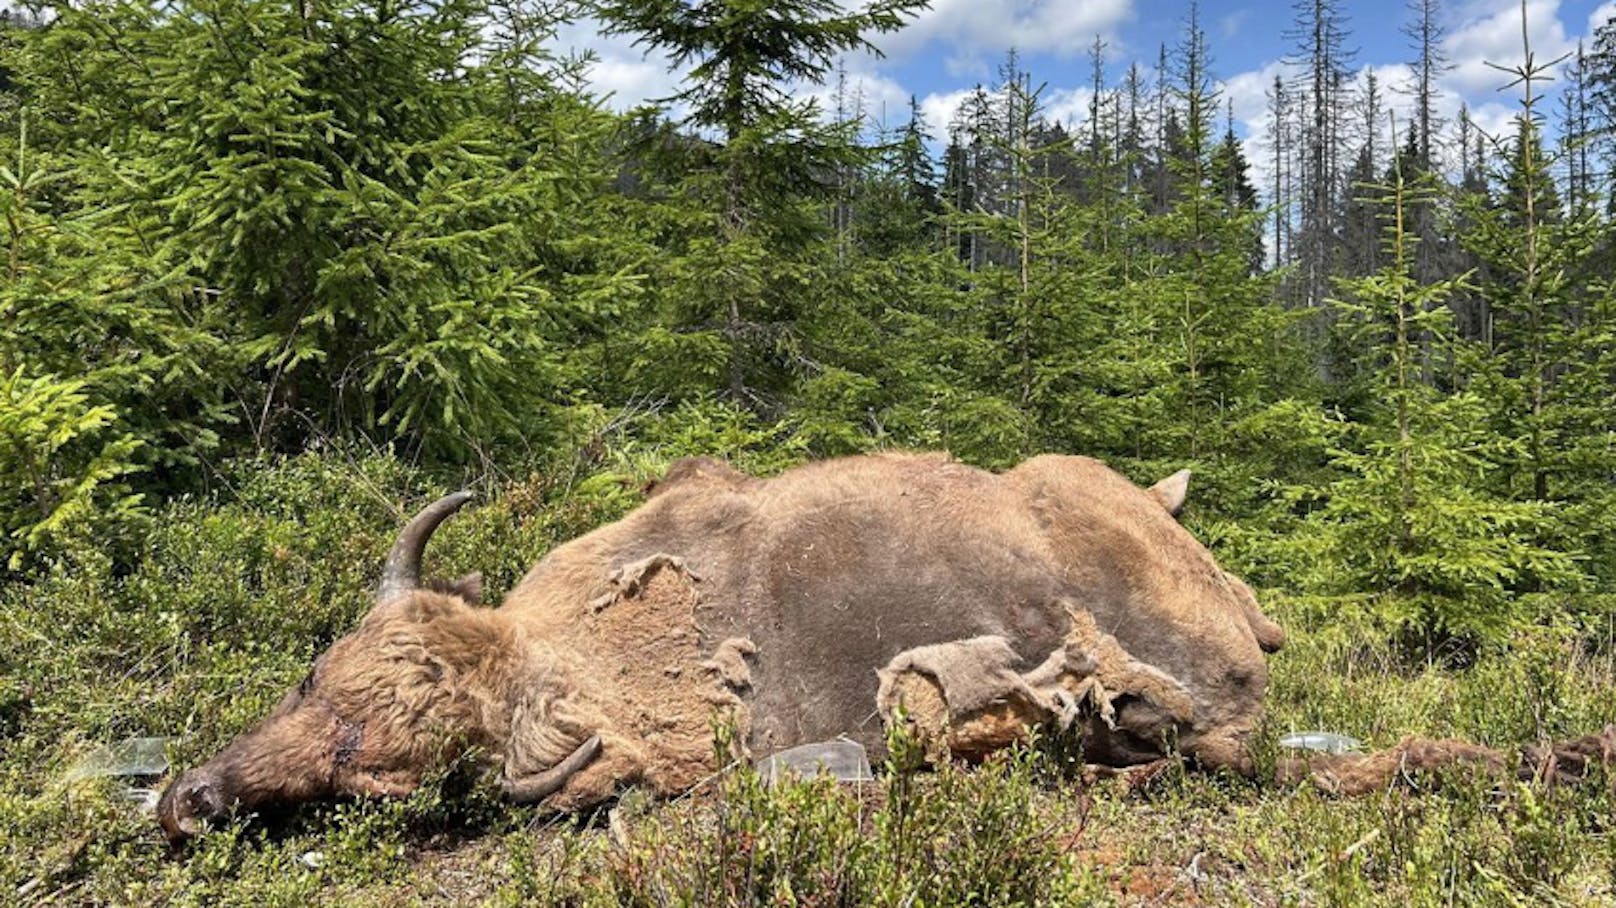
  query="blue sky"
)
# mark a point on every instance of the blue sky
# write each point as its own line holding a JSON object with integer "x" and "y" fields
{"x": 957, "y": 44}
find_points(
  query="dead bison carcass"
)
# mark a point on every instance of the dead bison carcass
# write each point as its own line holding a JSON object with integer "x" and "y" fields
{"x": 798, "y": 608}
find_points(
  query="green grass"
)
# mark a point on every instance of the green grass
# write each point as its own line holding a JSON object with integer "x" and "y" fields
{"x": 199, "y": 633}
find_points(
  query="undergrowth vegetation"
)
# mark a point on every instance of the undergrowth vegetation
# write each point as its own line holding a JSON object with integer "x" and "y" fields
{"x": 232, "y": 594}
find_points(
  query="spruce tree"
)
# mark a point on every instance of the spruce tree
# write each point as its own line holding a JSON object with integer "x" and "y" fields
{"x": 1545, "y": 357}
{"x": 772, "y": 151}
{"x": 1601, "y": 81}
{"x": 1320, "y": 36}
{"x": 1413, "y": 520}
{"x": 345, "y": 207}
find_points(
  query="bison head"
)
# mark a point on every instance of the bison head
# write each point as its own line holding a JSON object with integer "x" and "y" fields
{"x": 377, "y": 708}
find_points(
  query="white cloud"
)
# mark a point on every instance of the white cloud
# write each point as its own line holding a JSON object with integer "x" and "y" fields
{"x": 1248, "y": 92}
{"x": 627, "y": 83}
{"x": 1495, "y": 119}
{"x": 939, "y": 109}
{"x": 970, "y": 65}
{"x": 878, "y": 98}
{"x": 1600, "y": 16}
{"x": 627, "y": 75}
{"x": 1067, "y": 106}
{"x": 1395, "y": 102}
{"x": 1495, "y": 37}
{"x": 976, "y": 29}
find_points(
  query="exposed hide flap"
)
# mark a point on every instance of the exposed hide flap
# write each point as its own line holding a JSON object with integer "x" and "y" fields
{"x": 627, "y": 581}
{"x": 1093, "y": 668}
{"x": 962, "y": 698}
{"x": 966, "y": 698}
{"x": 972, "y": 674}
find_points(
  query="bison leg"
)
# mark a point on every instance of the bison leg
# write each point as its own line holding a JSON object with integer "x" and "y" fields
{"x": 533, "y": 788}
{"x": 1567, "y": 762}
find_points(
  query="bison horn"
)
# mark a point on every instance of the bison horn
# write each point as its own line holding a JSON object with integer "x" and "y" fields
{"x": 403, "y": 570}
{"x": 537, "y": 787}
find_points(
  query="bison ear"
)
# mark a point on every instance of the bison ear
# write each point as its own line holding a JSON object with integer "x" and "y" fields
{"x": 1172, "y": 491}
{"x": 469, "y": 587}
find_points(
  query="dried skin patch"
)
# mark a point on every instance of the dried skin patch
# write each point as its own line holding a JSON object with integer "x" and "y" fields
{"x": 965, "y": 698}
{"x": 628, "y": 580}
{"x": 729, "y": 664}
{"x": 655, "y": 691}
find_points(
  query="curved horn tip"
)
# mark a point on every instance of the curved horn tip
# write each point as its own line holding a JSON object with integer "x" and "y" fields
{"x": 537, "y": 787}
{"x": 402, "y": 572}
{"x": 444, "y": 507}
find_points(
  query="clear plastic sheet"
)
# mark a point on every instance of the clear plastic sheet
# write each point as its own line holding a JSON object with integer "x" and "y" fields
{"x": 131, "y": 758}
{"x": 1323, "y": 741}
{"x": 841, "y": 759}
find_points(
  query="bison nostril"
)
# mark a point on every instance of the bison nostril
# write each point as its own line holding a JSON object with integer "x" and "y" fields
{"x": 202, "y": 800}
{"x": 188, "y": 803}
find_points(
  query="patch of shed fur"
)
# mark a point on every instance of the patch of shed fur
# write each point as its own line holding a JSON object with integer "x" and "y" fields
{"x": 637, "y": 676}
{"x": 965, "y": 699}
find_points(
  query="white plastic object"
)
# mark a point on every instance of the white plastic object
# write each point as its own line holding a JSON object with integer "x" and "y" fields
{"x": 843, "y": 760}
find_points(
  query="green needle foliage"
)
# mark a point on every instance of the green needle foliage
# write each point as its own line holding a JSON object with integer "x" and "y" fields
{"x": 771, "y": 157}
{"x": 1413, "y": 515}
{"x": 302, "y": 219}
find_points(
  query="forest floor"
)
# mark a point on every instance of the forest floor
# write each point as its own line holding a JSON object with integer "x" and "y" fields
{"x": 227, "y": 603}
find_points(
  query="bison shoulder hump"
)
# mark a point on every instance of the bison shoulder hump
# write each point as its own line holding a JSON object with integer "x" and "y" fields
{"x": 691, "y": 471}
